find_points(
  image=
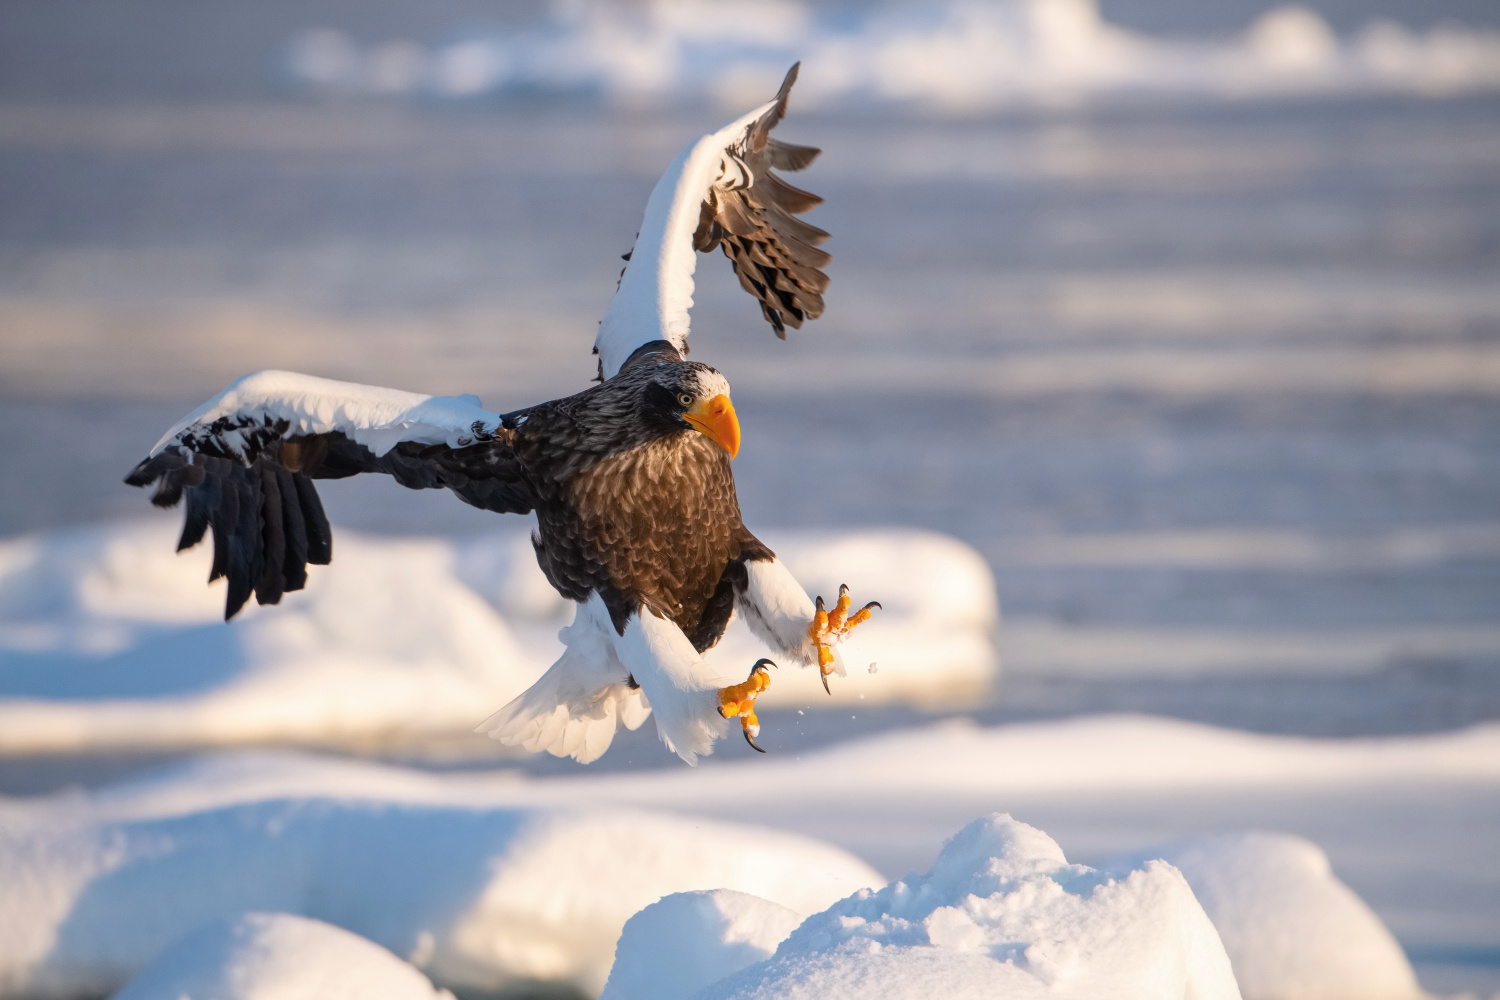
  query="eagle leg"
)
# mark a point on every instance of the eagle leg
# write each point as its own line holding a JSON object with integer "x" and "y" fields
{"x": 828, "y": 628}
{"x": 739, "y": 700}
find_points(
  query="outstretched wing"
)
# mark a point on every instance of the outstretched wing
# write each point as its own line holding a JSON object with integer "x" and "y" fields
{"x": 245, "y": 460}
{"x": 721, "y": 191}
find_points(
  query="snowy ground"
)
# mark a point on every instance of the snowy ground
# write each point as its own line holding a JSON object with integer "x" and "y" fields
{"x": 489, "y": 877}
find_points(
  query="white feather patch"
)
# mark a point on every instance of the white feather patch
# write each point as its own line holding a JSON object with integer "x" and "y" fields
{"x": 375, "y": 417}
{"x": 656, "y": 290}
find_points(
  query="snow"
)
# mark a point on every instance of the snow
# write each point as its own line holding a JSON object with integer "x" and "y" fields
{"x": 1292, "y": 930}
{"x": 487, "y": 879}
{"x": 376, "y": 417}
{"x": 1116, "y": 754}
{"x": 278, "y": 956}
{"x": 108, "y": 638}
{"x": 1001, "y": 913}
{"x": 956, "y": 57}
{"x": 476, "y": 890}
{"x": 688, "y": 940}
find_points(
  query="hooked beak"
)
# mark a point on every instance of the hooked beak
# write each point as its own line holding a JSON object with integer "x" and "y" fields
{"x": 715, "y": 417}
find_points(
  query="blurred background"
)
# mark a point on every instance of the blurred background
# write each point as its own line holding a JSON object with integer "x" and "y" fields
{"x": 1183, "y": 313}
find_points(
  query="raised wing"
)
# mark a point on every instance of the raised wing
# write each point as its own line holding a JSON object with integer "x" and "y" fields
{"x": 721, "y": 192}
{"x": 245, "y": 460}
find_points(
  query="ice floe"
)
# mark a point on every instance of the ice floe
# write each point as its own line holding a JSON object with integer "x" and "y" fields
{"x": 278, "y": 956}
{"x": 486, "y": 880}
{"x": 1001, "y": 914}
{"x": 108, "y": 638}
{"x": 1291, "y": 928}
{"x": 478, "y": 891}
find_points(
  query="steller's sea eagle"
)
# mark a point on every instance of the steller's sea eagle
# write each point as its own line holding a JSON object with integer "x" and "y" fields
{"x": 637, "y": 517}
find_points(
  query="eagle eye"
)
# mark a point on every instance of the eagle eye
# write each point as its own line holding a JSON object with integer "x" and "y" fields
{"x": 685, "y": 399}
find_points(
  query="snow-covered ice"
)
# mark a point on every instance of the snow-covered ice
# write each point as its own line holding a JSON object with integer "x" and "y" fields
{"x": 483, "y": 879}
{"x": 278, "y": 956}
{"x": 688, "y": 940}
{"x": 1293, "y": 931}
{"x": 469, "y": 884}
{"x": 956, "y": 56}
{"x": 1001, "y": 914}
{"x": 108, "y": 638}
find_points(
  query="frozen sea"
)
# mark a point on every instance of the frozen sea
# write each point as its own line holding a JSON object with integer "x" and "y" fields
{"x": 1211, "y": 383}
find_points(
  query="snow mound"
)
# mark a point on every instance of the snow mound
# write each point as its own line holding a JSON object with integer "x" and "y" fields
{"x": 459, "y": 876}
{"x": 1001, "y": 913}
{"x": 108, "y": 638}
{"x": 1293, "y": 931}
{"x": 278, "y": 956}
{"x": 688, "y": 940}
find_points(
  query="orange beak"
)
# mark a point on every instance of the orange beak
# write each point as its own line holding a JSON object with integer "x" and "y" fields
{"x": 716, "y": 419}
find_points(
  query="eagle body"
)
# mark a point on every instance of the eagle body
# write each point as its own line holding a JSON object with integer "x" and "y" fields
{"x": 637, "y": 520}
{"x": 639, "y": 509}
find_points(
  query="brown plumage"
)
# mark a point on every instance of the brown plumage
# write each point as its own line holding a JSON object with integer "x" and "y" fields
{"x": 632, "y": 502}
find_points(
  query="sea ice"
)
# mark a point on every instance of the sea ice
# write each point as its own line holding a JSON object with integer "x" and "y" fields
{"x": 277, "y": 956}
{"x": 1000, "y": 914}
{"x": 688, "y": 940}
{"x": 1293, "y": 931}
{"x": 451, "y": 873}
{"x": 109, "y": 639}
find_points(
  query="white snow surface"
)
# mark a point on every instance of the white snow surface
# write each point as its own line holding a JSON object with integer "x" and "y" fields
{"x": 1293, "y": 931}
{"x": 958, "y": 57}
{"x": 481, "y": 879}
{"x": 688, "y": 940}
{"x": 1000, "y": 914}
{"x": 469, "y": 884}
{"x": 108, "y": 638}
{"x": 376, "y": 417}
{"x": 277, "y": 956}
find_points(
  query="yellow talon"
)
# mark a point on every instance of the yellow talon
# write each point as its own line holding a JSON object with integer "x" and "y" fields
{"x": 828, "y": 627}
{"x": 739, "y": 700}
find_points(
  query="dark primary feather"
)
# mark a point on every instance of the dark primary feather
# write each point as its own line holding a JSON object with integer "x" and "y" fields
{"x": 266, "y": 518}
{"x": 774, "y": 253}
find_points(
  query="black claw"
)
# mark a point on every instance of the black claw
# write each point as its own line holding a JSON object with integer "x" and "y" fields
{"x": 820, "y": 602}
{"x": 825, "y": 683}
{"x": 721, "y": 712}
{"x": 751, "y": 740}
{"x": 762, "y": 662}
{"x": 873, "y": 604}
{"x": 843, "y": 589}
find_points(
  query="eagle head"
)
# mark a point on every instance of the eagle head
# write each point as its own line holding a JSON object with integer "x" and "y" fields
{"x": 689, "y": 394}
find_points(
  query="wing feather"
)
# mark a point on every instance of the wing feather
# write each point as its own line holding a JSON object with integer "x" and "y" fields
{"x": 721, "y": 192}
{"x": 245, "y": 461}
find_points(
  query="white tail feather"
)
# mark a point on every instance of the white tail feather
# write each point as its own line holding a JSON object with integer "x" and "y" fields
{"x": 572, "y": 709}
{"x": 680, "y": 686}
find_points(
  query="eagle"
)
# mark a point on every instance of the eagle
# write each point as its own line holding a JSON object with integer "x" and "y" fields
{"x": 637, "y": 520}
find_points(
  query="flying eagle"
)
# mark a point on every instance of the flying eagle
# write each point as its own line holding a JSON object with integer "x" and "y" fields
{"x": 637, "y": 517}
